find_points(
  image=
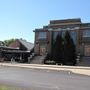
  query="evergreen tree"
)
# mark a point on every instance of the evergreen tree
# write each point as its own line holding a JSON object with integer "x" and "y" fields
{"x": 69, "y": 50}
{"x": 58, "y": 50}
{"x": 52, "y": 46}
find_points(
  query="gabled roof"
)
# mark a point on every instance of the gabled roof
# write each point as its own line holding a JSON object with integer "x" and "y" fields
{"x": 28, "y": 45}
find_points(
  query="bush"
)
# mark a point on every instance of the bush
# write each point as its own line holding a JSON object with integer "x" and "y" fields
{"x": 50, "y": 62}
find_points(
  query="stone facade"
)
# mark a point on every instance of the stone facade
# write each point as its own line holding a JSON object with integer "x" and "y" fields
{"x": 80, "y": 33}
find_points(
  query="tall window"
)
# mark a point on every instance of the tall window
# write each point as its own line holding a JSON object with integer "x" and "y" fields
{"x": 55, "y": 34}
{"x": 42, "y": 35}
{"x": 86, "y": 33}
{"x": 74, "y": 36}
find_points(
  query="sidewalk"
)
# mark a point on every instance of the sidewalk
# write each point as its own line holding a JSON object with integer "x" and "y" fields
{"x": 74, "y": 69}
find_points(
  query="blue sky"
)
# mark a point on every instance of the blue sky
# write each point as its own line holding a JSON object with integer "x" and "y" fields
{"x": 18, "y": 18}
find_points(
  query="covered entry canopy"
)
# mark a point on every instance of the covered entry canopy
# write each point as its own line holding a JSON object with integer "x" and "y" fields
{"x": 17, "y": 55}
{"x": 14, "y": 51}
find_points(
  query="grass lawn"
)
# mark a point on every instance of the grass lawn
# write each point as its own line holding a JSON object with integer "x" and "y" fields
{"x": 10, "y": 88}
{"x": 5, "y": 88}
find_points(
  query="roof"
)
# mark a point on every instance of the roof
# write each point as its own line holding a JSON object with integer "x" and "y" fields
{"x": 61, "y": 23}
{"x": 75, "y": 20}
{"x": 40, "y": 29}
{"x": 8, "y": 48}
{"x": 28, "y": 45}
{"x": 15, "y": 51}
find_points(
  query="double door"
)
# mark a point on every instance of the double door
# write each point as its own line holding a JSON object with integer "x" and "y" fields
{"x": 43, "y": 49}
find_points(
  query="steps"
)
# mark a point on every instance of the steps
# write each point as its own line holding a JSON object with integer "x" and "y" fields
{"x": 85, "y": 61}
{"x": 38, "y": 59}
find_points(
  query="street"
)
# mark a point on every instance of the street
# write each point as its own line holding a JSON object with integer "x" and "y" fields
{"x": 33, "y": 79}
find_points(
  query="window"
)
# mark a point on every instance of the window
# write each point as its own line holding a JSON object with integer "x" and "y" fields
{"x": 42, "y": 35}
{"x": 55, "y": 34}
{"x": 73, "y": 34}
{"x": 86, "y": 33}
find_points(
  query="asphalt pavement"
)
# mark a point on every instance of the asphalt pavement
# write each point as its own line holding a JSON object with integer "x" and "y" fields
{"x": 34, "y": 79}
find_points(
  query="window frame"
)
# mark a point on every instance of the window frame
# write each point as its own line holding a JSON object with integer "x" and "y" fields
{"x": 42, "y": 35}
{"x": 86, "y": 33}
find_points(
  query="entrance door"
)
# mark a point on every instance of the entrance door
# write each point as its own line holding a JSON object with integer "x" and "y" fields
{"x": 87, "y": 50}
{"x": 42, "y": 49}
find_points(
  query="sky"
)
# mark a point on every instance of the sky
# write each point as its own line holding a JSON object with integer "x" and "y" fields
{"x": 18, "y": 18}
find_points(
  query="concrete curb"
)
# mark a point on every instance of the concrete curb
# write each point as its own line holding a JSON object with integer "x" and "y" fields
{"x": 74, "y": 69}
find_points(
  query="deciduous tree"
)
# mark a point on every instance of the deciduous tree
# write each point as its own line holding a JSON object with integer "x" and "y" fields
{"x": 8, "y": 42}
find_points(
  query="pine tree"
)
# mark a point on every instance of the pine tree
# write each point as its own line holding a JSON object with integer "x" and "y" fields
{"x": 69, "y": 50}
{"x": 58, "y": 50}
